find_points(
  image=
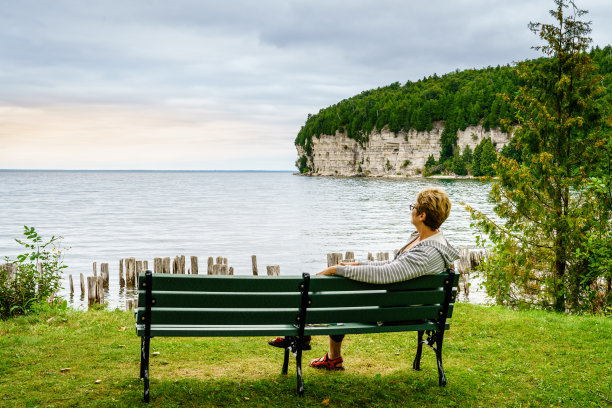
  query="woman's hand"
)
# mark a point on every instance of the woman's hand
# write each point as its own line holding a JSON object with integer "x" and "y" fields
{"x": 329, "y": 271}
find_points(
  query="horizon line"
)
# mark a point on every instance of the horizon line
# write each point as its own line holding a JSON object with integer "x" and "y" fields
{"x": 157, "y": 170}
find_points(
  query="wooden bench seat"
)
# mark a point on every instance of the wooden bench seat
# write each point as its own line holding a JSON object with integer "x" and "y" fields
{"x": 292, "y": 306}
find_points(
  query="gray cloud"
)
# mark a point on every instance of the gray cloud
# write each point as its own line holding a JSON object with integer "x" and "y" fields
{"x": 266, "y": 63}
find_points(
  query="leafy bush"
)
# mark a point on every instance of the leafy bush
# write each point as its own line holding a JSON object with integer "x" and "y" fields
{"x": 22, "y": 288}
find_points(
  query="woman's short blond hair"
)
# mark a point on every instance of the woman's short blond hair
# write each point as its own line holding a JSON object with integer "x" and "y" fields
{"x": 434, "y": 202}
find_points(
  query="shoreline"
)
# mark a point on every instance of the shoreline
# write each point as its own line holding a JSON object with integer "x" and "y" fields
{"x": 394, "y": 177}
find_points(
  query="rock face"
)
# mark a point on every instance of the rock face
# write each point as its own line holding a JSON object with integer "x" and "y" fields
{"x": 387, "y": 154}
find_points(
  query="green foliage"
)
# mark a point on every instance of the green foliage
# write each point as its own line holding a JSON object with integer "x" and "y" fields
{"x": 22, "y": 290}
{"x": 553, "y": 186}
{"x": 458, "y": 166}
{"x": 468, "y": 155}
{"x": 302, "y": 164}
{"x": 484, "y": 158}
{"x": 460, "y": 99}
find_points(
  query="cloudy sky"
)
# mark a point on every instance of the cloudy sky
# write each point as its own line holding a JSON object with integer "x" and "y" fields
{"x": 197, "y": 84}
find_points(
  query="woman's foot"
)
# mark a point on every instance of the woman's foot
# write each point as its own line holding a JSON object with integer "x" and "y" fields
{"x": 326, "y": 363}
{"x": 282, "y": 342}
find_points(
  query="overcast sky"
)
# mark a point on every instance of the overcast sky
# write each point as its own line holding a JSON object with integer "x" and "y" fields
{"x": 226, "y": 84}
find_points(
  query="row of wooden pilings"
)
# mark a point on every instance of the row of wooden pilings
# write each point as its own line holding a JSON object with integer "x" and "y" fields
{"x": 96, "y": 284}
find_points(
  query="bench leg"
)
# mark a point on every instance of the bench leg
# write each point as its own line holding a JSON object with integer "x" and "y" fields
{"x": 144, "y": 364}
{"x": 438, "y": 349}
{"x": 285, "y": 362}
{"x": 416, "y": 365}
{"x": 298, "y": 365}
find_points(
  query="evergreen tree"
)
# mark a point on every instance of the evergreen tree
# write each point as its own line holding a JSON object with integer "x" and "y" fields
{"x": 554, "y": 201}
{"x": 468, "y": 156}
{"x": 458, "y": 166}
{"x": 488, "y": 158}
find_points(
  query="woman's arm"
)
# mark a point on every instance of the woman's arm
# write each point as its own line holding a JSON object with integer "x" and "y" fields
{"x": 422, "y": 260}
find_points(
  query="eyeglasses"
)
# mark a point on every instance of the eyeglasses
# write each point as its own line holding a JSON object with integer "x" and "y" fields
{"x": 412, "y": 207}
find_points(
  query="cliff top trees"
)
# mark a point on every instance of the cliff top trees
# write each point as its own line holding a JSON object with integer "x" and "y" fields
{"x": 547, "y": 198}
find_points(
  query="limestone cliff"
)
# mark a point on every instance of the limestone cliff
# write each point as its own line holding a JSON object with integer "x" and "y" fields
{"x": 386, "y": 154}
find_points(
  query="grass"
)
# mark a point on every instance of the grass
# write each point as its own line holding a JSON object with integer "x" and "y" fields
{"x": 493, "y": 357}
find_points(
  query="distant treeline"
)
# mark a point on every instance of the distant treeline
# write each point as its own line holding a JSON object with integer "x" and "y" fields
{"x": 460, "y": 99}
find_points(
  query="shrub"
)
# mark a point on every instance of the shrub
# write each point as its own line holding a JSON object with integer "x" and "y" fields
{"x": 22, "y": 288}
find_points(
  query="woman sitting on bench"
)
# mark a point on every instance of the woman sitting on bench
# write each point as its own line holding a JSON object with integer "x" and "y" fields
{"x": 426, "y": 253}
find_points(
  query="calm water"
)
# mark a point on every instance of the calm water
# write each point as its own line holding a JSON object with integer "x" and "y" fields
{"x": 284, "y": 219}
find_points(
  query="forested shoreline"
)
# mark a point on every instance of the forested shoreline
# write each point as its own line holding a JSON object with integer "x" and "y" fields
{"x": 459, "y": 99}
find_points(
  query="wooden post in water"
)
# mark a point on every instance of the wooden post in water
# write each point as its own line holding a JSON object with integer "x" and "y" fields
{"x": 254, "y": 262}
{"x": 178, "y": 266}
{"x": 121, "y": 278}
{"x": 95, "y": 269}
{"x": 334, "y": 259}
{"x": 210, "y": 265}
{"x": 145, "y": 265}
{"x": 166, "y": 265}
{"x": 104, "y": 274}
{"x": 157, "y": 265}
{"x": 11, "y": 270}
{"x": 139, "y": 270}
{"x": 273, "y": 270}
{"x": 82, "y": 285}
{"x": 370, "y": 257}
{"x": 194, "y": 265}
{"x": 71, "y": 284}
{"x": 100, "y": 290}
{"x": 349, "y": 256}
{"x": 91, "y": 289}
{"x": 131, "y": 273}
{"x": 231, "y": 270}
{"x": 129, "y": 305}
{"x": 330, "y": 260}
{"x": 463, "y": 265}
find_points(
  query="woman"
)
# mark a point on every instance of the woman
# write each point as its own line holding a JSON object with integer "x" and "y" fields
{"x": 427, "y": 252}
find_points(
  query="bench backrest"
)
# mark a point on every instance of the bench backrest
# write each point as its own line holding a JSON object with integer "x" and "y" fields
{"x": 337, "y": 299}
{"x": 266, "y": 300}
{"x": 221, "y": 299}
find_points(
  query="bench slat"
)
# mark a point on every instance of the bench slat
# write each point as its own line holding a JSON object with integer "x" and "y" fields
{"x": 372, "y": 314}
{"x": 360, "y": 328}
{"x": 320, "y": 283}
{"x": 213, "y": 316}
{"x": 218, "y": 331}
{"x": 383, "y": 298}
{"x": 284, "y": 300}
{"x": 223, "y": 283}
{"x": 277, "y": 330}
{"x": 229, "y": 299}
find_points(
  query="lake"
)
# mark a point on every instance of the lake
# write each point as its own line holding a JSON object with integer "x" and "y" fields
{"x": 284, "y": 219}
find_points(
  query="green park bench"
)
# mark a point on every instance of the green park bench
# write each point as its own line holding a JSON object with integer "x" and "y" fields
{"x": 292, "y": 306}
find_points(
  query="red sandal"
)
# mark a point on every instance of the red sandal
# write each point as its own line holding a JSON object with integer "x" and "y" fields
{"x": 326, "y": 363}
{"x": 282, "y": 342}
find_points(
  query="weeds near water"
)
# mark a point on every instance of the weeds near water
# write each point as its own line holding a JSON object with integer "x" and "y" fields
{"x": 32, "y": 277}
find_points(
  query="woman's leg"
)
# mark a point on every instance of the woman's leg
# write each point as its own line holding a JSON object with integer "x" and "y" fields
{"x": 335, "y": 346}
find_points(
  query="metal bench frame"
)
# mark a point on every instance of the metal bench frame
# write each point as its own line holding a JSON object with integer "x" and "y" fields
{"x": 433, "y": 328}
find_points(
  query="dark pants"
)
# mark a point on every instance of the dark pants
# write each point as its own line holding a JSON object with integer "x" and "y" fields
{"x": 337, "y": 337}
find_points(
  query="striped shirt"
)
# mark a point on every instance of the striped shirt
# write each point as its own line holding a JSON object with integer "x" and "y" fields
{"x": 430, "y": 256}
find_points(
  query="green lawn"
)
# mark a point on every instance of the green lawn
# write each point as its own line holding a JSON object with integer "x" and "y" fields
{"x": 494, "y": 357}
